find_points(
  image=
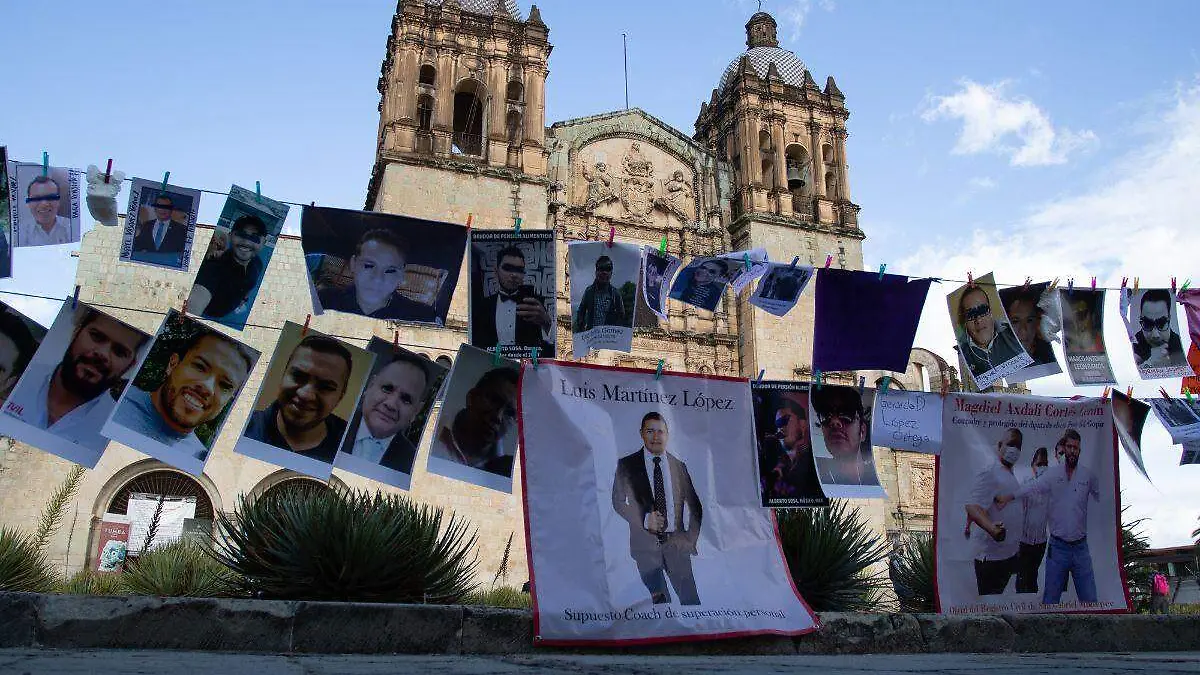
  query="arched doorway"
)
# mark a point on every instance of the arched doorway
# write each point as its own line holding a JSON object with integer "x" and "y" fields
{"x": 162, "y": 505}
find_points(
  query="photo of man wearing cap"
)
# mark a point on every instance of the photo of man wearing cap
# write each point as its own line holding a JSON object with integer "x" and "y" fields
{"x": 842, "y": 430}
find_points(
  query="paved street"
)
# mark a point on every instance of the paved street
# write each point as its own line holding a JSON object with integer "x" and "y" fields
{"x": 113, "y": 662}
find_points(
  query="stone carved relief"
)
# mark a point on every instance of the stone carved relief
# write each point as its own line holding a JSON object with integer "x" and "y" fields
{"x": 921, "y": 485}
{"x": 637, "y": 191}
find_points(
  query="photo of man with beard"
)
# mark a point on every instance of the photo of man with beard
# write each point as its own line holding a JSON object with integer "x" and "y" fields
{"x": 187, "y": 383}
{"x": 224, "y": 282}
{"x": 70, "y": 392}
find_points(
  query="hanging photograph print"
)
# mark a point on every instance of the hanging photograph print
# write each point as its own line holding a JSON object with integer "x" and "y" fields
{"x": 745, "y": 267}
{"x": 657, "y": 271}
{"x": 603, "y": 282}
{"x": 1083, "y": 336}
{"x": 986, "y": 340}
{"x": 1153, "y": 327}
{"x": 864, "y": 320}
{"x": 780, "y": 287}
{"x": 43, "y": 207}
{"x": 1191, "y": 383}
{"x": 1191, "y": 454}
{"x": 1027, "y": 513}
{"x": 238, "y": 252}
{"x": 839, "y": 421}
{"x": 644, "y": 511}
{"x": 513, "y": 293}
{"x": 381, "y": 265}
{"x": 6, "y": 232}
{"x": 306, "y": 397}
{"x": 160, "y": 224}
{"x": 787, "y": 474}
{"x": 476, "y": 433}
{"x": 1181, "y": 420}
{"x": 72, "y": 383}
{"x": 20, "y": 337}
{"x": 182, "y": 393}
{"x": 1036, "y": 327}
{"x": 1129, "y": 417}
{"x": 702, "y": 282}
{"x": 385, "y": 431}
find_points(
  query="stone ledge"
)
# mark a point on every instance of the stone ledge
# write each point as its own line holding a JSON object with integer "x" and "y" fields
{"x": 73, "y": 622}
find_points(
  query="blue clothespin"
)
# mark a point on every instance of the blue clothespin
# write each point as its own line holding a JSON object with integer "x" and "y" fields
{"x": 258, "y": 192}
{"x": 75, "y": 299}
{"x": 658, "y": 373}
{"x": 817, "y": 378}
{"x": 794, "y": 261}
{"x": 883, "y": 386}
{"x": 45, "y": 164}
{"x": 517, "y": 227}
{"x": 881, "y": 269}
{"x": 760, "y": 376}
{"x": 496, "y": 356}
{"x": 534, "y": 355}
{"x": 1070, "y": 285}
{"x": 164, "y": 183}
{"x": 862, "y": 384}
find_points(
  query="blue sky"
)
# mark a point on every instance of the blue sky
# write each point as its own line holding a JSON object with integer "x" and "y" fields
{"x": 1026, "y": 137}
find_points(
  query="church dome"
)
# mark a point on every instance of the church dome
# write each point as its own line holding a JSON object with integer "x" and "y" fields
{"x": 790, "y": 67}
{"x": 485, "y": 7}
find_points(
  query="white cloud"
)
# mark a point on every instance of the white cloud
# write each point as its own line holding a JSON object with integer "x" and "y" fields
{"x": 1138, "y": 219}
{"x": 982, "y": 183}
{"x": 994, "y": 121}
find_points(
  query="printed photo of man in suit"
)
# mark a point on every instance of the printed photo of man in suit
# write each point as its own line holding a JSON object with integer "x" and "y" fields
{"x": 516, "y": 314}
{"x": 162, "y": 234}
{"x": 393, "y": 398}
{"x": 664, "y": 513}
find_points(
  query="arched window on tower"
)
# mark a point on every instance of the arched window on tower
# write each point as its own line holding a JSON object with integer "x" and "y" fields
{"x": 515, "y": 91}
{"x": 468, "y": 118}
{"x": 799, "y": 177}
{"x": 424, "y": 112}
{"x": 428, "y": 75}
{"x": 766, "y": 149}
{"x": 831, "y": 186}
{"x": 827, "y": 153}
{"x": 513, "y": 127}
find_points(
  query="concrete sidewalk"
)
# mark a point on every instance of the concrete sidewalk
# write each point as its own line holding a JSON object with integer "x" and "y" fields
{"x": 117, "y": 662}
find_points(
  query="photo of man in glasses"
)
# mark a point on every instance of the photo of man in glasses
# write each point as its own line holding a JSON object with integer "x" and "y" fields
{"x": 1157, "y": 343}
{"x": 845, "y": 436}
{"x": 226, "y": 281}
{"x": 787, "y": 472}
{"x": 702, "y": 284}
{"x": 985, "y": 339}
{"x": 602, "y": 304}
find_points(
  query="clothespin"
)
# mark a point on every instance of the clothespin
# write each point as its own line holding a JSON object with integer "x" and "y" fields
{"x": 662, "y": 245}
{"x": 396, "y": 340}
{"x": 183, "y": 310}
{"x": 1164, "y": 393}
{"x": 1135, "y": 283}
{"x": 817, "y": 378}
{"x": 164, "y": 183}
{"x": 1129, "y": 392}
{"x": 1188, "y": 393}
{"x": 746, "y": 260}
{"x": 534, "y": 355}
{"x": 862, "y": 384}
{"x": 1028, "y": 280}
{"x": 75, "y": 298}
{"x": 258, "y": 192}
{"x": 1054, "y": 284}
{"x": 108, "y": 170}
{"x": 1186, "y": 283}
{"x": 828, "y": 261}
{"x": 1093, "y": 283}
{"x": 304, "y": 331}
{"x": 517, "y": 227}
{"x": 1124, "y": 282}
{"x": 760, "y": 376}
{"x": 496, "y": 356}
{"x": 1070, "y": 285}
{"x": 883, "y": 386}
{"x": 612, "y": 232}
{"x": 658, "y": 373}
{"x": 1172, "y": 284}
{"x": 45, "y": 163}
{"x": 881, "y": 270}
{"x": 470, "y": 218}
{"x": 1104, "y": 398}
{"x": 794, "y": 261}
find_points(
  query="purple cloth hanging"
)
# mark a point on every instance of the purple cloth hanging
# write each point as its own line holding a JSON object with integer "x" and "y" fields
{"x": 864, "y": 322}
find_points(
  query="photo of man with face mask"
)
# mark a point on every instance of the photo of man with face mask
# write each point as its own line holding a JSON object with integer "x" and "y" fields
{"x": 1033, "y": 531}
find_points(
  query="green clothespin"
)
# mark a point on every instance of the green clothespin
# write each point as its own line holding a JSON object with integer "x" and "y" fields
{"x": 1188, "y": 394}
{"x": 883, "y": 386}
{"x": 517, "y": 227}
{"x": 258, "y": 192}
{"x": 881, "y": 269}
{"x": 658, "y": 373}
{"x": 817, "y": 378}
{"x": 164, "y": 183}
{"x": 662, "y": 245}
{"x": 45, "y": 164}
{"x": 496, "y": 356}
{"x": 534, "y": 355}
{"x": 1186, "y": 283}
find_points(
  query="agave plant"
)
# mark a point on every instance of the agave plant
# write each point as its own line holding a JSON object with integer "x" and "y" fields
{"x": 500, "y": 596}
{"x": 333, "y": 545}
{"x": 834, "y": 558}
{"x": 911, "y": 571}
{"x": 23, "y": 566}
{"x": 91, "y": 582}
{"x": 181, "y": 568}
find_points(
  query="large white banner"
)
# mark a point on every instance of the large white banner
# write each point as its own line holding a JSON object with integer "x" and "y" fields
{"x": 1027, "y": 506}
{"x": 643, "y": 510}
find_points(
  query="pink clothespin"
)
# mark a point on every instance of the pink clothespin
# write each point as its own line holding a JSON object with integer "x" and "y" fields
{"x": 304, "y": 331}
{"x": 1093, "y": 283}
{"x": 1173, "y": 285}
{"x": 612, "y": 232}
{"x": 828, "y": 261}
{"x": 1124, "y": 282}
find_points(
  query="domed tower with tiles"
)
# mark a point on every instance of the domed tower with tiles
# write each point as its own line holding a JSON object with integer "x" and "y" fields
{"x": 785, "y": 141}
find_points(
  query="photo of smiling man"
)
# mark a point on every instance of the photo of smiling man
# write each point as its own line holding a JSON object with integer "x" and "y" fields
{"x": 386, "y": 428}
{"x": 381, "y": 265}
{"x": 70, "y": 386}
{"x": 307, "y": 394}
{"x": 242, "y": 243}
{"x": 44, "y": 207}
{"x": 182, "y": 393}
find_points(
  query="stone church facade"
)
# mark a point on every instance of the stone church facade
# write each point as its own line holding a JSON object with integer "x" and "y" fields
{"x": 462, "y": 131}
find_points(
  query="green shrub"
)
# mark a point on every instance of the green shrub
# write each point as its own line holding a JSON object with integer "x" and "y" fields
{"x": 1192, "y": 609}
{"x": 501, "y": 596}
{"x": 830, "y": 553}
{"x": 91, "y": 582}
{"x": 180, "y": 568}
{"x": 23, "y": 566}
{"x": 911, "y": 572}
{"x": 342, "y": 546}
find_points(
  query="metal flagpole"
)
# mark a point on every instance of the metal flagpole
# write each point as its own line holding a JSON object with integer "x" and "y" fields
{"x": 625, "y": 56}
